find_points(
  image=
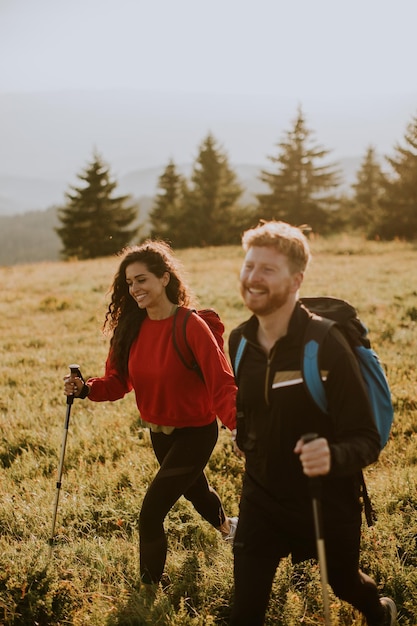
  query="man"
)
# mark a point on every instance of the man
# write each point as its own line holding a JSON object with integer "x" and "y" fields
{"x": 274, "y": 412}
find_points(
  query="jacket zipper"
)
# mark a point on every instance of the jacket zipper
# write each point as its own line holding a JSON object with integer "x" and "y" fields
{"x": 268, "y": 370}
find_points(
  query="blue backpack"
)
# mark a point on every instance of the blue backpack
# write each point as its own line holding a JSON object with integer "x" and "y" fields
{"x": 328, "y": 311}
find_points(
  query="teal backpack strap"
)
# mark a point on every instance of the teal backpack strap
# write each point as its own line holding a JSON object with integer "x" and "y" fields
{"x": 317, "y": 329}
{"x": 239, "y": 353}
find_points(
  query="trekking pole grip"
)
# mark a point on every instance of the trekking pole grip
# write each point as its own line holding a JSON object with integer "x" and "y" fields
{"x": 75, "y": 371}
{"x": 309, "y": 437}
{"x": 315, "y": 482}
{"x": 315, "y": 491}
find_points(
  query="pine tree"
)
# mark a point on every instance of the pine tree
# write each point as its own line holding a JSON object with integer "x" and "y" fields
{"x": 166, "y": 214}
{"x": 94, "y": 222}
{"x": 399, "y": 203}
{"x": 368, "y": 190}
{"x": 211, "y": 211}
{"x": 302, "y": 188}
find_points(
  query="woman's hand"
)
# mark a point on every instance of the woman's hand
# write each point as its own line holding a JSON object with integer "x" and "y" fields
{"x": 73, "y": 385}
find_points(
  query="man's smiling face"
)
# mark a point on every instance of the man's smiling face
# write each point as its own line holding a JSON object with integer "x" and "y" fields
{"x": 266, "y": 281}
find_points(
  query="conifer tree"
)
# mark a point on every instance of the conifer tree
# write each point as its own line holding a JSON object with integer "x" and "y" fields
{"x": 368, "y": 190}
{"x": 211, "y": 214}
{"x": 302, "y": 187}
{"x": 94, "y": 222}
{"x": 399, "y": 202}
{"x": 166, "y": 214}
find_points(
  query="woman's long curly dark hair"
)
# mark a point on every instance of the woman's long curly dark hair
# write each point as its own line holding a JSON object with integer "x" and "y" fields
{"x": 124, "y": 317}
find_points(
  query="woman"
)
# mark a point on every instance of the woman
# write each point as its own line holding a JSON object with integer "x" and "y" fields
{"x": 179, "y": 408}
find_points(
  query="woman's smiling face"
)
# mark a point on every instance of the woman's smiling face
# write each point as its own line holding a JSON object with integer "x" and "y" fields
{"x": 145, "y": 288}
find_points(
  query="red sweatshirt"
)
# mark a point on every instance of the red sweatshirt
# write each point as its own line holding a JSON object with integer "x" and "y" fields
{"x": 167, "y": 393}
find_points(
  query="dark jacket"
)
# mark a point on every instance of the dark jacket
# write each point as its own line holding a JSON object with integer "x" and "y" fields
{"x": 275, "y": 410}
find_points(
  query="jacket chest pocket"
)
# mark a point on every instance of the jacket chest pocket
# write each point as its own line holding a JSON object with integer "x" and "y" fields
{"x": 286, "y": 378}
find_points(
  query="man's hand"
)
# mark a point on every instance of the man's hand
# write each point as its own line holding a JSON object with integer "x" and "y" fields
{"x": 314, "y": 456}
{"x": 236, "y": 448}
{"x": 238, "y": 451}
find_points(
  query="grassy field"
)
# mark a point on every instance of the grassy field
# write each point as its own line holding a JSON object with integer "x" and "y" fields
{"x": 50, "y": 317}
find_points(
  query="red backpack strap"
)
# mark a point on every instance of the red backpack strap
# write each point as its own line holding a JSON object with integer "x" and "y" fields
{"x": 179, "y": 334}
{"x": 179, "y": 337}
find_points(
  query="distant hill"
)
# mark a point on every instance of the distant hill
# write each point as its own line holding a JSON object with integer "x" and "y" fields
{"x": 23, "y": 194}
{"x": 28, "y": 213}
{"x": 30, "y": 237}
{"x": 144, "y": 182}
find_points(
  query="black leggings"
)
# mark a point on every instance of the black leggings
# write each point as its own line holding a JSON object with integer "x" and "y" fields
{"x": 182, "y": 456}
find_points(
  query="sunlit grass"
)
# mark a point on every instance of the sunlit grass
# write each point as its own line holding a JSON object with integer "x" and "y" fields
{"x": 50, "y": 317}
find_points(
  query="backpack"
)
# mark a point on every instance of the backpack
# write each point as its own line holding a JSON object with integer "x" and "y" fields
{"x": 179, "y": 334}
{"x": 328, "y": 311}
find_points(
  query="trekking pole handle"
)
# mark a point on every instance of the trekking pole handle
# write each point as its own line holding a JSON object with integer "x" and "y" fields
{"x": 309, "y": 437}
{"x": 75, "y": 371}
{"x": 314, "y": 482}
{"x": 315, "y": 490}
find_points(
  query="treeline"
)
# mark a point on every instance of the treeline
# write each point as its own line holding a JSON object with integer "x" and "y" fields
{"x": 302, "y": 185}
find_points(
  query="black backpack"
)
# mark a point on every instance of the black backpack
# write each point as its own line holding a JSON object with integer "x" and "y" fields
{"x": 328, "y": 311}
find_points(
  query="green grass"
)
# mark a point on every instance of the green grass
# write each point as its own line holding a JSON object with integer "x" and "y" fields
{"x": 50, "y": 317}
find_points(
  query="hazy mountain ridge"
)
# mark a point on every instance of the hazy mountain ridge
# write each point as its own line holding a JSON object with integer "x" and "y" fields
{"x": 48, "y": 136}
{"x": 28, "y": 235}
{"x": 31, "y": 237}
{"x": 20, "y": 195}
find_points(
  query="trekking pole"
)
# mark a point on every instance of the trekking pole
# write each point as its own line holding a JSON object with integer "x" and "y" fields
{"x": 315, "y": 490}
{"x": 75, "y": 371}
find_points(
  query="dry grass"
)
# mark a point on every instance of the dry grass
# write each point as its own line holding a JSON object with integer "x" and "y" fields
{"x": 50, "y": 316}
